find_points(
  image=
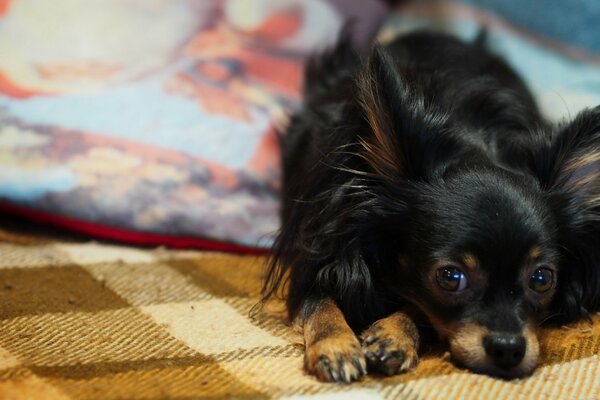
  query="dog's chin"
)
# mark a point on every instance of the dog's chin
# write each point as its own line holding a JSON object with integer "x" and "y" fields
{"x": 487, "y": 368}
{"x": 466, "y": 349}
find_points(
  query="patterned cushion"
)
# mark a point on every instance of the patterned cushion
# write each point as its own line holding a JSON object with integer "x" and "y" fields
{"x": 156, "y": 117}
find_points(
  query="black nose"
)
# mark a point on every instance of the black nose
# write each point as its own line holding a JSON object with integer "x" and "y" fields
{"x": 505, "y": 349}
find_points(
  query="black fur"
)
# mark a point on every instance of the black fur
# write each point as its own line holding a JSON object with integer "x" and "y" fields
{"x": 424, "y": 149}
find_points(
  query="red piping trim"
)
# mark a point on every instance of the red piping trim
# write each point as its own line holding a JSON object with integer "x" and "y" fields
{"x": 124, "y": 235}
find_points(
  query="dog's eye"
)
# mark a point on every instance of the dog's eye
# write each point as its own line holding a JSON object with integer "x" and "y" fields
{"x": 541, "y": 280}
{"x": 451, "y": 279}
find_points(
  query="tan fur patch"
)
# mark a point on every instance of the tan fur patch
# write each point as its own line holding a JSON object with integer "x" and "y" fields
{"x": 379, "y": 151}
{"x": 333, "y": 351}
{"x": 391, "y": 344}
{"x": 466, "y": 346}
{"x": 534, "y": 254}
{"x": 532, "y": 355}
{"x": 327, "y": 321}
{"x": 470, "y": 261}
{"x": 398, "y": 325}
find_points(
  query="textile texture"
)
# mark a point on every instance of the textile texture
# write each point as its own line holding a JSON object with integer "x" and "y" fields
{"x": 95, "y": 321}
{"x": 157, "y": 116}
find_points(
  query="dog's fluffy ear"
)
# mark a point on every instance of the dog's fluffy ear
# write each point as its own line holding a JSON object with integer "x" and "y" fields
{"x": 381, "y": 93}
{"x": 569, "y": 168}
{"x": 580, "y": 170}
{"x": 405, "y": 138}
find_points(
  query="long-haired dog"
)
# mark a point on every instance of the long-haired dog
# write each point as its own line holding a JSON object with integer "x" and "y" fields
{"x": 422, "y": 186}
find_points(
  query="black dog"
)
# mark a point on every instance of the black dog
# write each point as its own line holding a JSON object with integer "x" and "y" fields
{"x": 423, "y": 182}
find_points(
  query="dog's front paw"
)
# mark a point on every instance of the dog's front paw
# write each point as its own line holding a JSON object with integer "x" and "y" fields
{"x": 390, "y": 347}
{"x": 336, "y": 359}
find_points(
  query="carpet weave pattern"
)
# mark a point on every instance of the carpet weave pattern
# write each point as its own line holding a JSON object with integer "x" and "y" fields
{"x": 94, "y": 321}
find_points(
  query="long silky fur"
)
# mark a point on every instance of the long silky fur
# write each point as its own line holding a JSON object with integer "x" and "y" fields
{"x": 333, "y": 212}
{"x": 369, "y": 132}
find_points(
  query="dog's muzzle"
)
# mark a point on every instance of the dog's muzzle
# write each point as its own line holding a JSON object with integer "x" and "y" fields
{"x": 505, "y": 350}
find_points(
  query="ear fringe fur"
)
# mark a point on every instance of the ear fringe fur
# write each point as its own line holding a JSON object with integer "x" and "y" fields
{"x": 375, "y": 85}
{"x": 578, "y": 170}
{"x": 570, "y": 169}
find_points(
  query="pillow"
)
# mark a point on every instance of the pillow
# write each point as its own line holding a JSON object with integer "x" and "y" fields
{"x": 154, "y": 122}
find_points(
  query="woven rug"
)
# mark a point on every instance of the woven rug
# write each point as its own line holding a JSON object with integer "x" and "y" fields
{"x": 96, "y": 321}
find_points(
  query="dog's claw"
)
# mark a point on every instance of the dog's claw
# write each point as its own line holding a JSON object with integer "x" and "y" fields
{"x": 334, "y": 375}
{"x": 360, "y": 367}
{"x": 343, "y": 375}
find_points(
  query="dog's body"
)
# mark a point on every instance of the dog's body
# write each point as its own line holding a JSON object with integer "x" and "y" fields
{"x": 424, "y": 183}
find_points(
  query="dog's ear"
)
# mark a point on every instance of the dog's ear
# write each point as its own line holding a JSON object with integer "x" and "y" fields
{"x": 406, "y": 133}
{"x": 568, "y": 167}
{"x": 578, "y": 149}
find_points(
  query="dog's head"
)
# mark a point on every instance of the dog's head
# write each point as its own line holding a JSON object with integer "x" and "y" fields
{"x": 480, "y": 260}
{"x": 487, "y": 244}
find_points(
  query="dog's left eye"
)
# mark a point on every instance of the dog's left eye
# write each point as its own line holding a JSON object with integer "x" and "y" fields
{"x": 541, "y": 280}
{"x": 451, "y": 279}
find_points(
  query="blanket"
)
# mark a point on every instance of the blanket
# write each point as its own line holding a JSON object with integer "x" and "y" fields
{"x": 86, "y": 320}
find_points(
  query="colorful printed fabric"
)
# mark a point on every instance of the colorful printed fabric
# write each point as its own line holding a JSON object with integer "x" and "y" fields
{"x": 157, "y": 116}
{"x": 89, "y": 321}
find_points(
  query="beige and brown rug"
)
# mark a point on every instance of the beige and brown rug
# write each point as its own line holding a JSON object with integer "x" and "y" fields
{"x": 95, "y": 321}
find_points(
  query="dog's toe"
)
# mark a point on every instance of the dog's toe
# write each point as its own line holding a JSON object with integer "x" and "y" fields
{"x": 336, "y": 360}
{"x": 390, "y": 359}
{"x": 388, "y": 352}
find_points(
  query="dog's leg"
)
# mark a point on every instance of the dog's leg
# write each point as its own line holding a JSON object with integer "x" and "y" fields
{"x": 390, "y": 344}
{"x": 333, "y": 352}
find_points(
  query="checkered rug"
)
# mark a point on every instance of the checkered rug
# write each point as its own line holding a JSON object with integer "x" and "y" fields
{"x": 94, "y": 321}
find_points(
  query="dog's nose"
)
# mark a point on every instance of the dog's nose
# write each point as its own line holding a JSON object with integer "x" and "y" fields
{"x": 506, "y": 350}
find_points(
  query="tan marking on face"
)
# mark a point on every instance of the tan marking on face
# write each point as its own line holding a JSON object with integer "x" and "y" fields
{"x": 532, "y": 353}
{"x": 534, "y": 254}
{"x": 470, "y": 261}
{"x": 466, "y": 346}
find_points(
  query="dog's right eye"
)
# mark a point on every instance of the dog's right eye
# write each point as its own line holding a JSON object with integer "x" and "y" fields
{"x": 542, "y": 280}
{"x": 451, "y": 279}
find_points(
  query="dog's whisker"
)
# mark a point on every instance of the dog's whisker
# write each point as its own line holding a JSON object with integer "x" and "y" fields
{"x": 549, "y": 317}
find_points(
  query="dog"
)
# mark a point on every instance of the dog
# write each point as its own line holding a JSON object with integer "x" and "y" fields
{"x": 422, "y": 188}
